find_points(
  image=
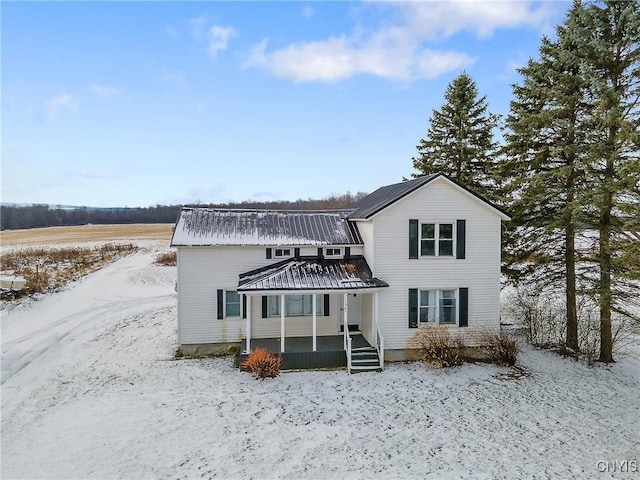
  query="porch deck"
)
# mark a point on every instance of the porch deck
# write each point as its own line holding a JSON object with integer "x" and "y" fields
{"x": 299, "y": 352}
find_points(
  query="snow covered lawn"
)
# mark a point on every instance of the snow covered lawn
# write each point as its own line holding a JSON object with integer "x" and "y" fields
{"x": 90, "y": 390}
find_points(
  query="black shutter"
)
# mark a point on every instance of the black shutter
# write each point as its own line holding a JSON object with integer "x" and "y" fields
{"x": 326, "y": 305}
{"x": 413, "y": 308}
{"x": 347, "y": 253}
{"x": 220, "y": 304}
{"x": 460, "y": 238}
{"x": 463, "y": 318}
{"x": 296, "y": 252}
{"x": 413, "y": 238}
{"x": 268, "y": 253}
{"x": 244, "y": 306}
{"x": 265, "y": 312}
{"x": 320, "y": 254}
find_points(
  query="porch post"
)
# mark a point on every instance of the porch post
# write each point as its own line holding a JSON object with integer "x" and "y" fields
{"x": 344, "y": 311}
{"x": 282, "y": 322}
{"x": 375, "y": 315}
{"x": 248, "y": 313}
{"x": 315, "y": 321}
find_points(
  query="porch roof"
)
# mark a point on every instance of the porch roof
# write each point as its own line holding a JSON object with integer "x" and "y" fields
{"x": 311, "y": 273}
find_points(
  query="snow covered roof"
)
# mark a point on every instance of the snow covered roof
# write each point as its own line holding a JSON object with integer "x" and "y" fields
{"x": 311, "y": 274}
{"x": 218, "y": 227}
{"x": 389, "y": 194}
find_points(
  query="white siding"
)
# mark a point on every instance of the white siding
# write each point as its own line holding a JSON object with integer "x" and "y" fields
{"x": 204, "y": 270}
{"x": 437, "y": 202}
{"x": 366, "y": 232}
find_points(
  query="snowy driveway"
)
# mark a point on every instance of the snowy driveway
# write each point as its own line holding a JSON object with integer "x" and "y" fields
{"x": 90, "y": 390}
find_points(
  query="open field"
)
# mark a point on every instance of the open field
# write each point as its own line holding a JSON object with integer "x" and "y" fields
{"x": 52, "y": 236}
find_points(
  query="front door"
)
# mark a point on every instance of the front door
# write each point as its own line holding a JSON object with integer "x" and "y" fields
{"x": 354, "y": 311}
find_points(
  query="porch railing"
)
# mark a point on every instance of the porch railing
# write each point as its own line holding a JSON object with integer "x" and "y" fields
{"x": 380, "y": 347}
{"x": 347, "y": 348}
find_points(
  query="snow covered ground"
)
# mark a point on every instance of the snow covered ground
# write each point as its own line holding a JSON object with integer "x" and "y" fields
{"x": 90, "y": 390}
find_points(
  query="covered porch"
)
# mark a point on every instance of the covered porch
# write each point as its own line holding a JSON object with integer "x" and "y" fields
{"x": 299, "y": 353}
{"x": 316, "y": 278}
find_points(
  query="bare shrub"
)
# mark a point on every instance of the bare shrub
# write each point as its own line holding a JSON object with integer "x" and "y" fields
{"x": 435, "y": 345}
{"x": 168, "y": 259}
{"x": 543, "y": 316}
{"x": 49, "y": 269}
{"x": 503, "y": 348}
{"x": 262, "y": 363}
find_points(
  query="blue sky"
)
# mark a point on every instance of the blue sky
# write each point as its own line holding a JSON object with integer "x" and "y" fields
{"x": 144, "y": 103}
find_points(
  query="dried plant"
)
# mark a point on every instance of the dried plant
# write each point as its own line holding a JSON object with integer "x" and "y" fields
{"x": 262, "y": 363}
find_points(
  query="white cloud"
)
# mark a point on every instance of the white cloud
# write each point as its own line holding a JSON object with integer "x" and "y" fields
{"x": 96, "y": 174}
{"x": 308, "y": 12}
{"x": 197, "y": 27}
{"x": 176, "y": 77}
{"x": 437, "y": 20}
{"x": 104, "y": 91}
{"x": 397, "y": 50}
{"x": 219, "y": 39}
{"x": 53, "y": 107}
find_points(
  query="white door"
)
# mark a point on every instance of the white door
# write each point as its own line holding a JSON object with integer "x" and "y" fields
{"x": 354, "y": 311}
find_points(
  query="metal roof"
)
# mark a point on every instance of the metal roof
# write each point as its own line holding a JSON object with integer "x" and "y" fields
{"x": 311, "y": 273}
{"x": 385, "y": 196}
{"x": 219, "y": 227}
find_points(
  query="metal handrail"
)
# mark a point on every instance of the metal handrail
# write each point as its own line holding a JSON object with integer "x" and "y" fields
{"x": 347, "y": 347}
{"x": 380, "y": 347}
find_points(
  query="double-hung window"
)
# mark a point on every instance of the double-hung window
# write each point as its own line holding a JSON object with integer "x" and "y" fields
{"x": 436, "y": 239}
{"x": 438, "y": 306}
{"x": 282, "y": 252}
{"x": 232, "y": 304}
{"x": 295, "y": 305}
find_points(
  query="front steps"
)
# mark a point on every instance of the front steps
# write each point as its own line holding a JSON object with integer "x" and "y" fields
{"x": 365, "y": 359}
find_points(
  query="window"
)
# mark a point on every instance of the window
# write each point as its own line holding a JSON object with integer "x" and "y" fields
{"x": 295, "y": 305}
{"x": 282, "y": 252}
{"x": 232, "y": 304}
{"x": 438, "y": 306}
{"x": 333, "y": 252}
{"x": 436, "y": 239}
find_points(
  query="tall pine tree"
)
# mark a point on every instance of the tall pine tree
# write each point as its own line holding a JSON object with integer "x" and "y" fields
{"x": 459, "y": 140}
{"x": 546, "y": 146}
{"x": 610, "y": 50}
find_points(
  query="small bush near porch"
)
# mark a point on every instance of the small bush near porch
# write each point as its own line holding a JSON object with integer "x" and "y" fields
{"x": 262, "y": 364}
{"x": 436, "y": 346}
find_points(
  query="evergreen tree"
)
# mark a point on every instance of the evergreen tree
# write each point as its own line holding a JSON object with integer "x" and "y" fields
{"x": 546, "y": 146}
{"x": 573, "y": 164}
{"x": 610, "y": 50}
{"x": 460, "y": 140}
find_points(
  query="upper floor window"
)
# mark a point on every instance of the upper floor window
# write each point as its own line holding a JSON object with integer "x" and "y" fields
{"x": 282, "y": 252}
{"x": 436, "y": 239}
{"x": 333, "y": 252}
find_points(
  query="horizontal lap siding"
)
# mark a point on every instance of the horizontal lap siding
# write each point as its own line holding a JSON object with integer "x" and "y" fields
{"x": 438, "y": 202}
{"x": 366, "y": 232}
{"x": 201, "y": 271}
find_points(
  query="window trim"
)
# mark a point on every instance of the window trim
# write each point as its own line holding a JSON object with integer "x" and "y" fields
{"x": 333, "y": 252}
{"x": 436, "y": 239}
{"x": 226, "y": 315}
{"x": 438, "y": 298}
{"x": 283, "y": 252}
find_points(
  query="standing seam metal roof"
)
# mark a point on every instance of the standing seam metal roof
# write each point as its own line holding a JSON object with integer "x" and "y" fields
{"x": 217, "y": 227}
{"x": 311, "y": 273}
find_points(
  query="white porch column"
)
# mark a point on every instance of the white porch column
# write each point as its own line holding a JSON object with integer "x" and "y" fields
{"x": 344, "y": 311}
{"x": 375, "y": 316}
{"x": 248, "y": 313}
{"x": 282, "y": 322}
{"x": 315, "y": 322}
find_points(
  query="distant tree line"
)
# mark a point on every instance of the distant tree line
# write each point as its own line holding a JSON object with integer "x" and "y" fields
{"x": 13, "y": 217}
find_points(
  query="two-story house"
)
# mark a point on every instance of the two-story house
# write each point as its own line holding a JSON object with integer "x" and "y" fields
{"x": 340, "y": 288}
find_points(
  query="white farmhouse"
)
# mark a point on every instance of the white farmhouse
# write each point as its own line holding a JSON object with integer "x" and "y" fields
{"x": 420, "y": 252}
